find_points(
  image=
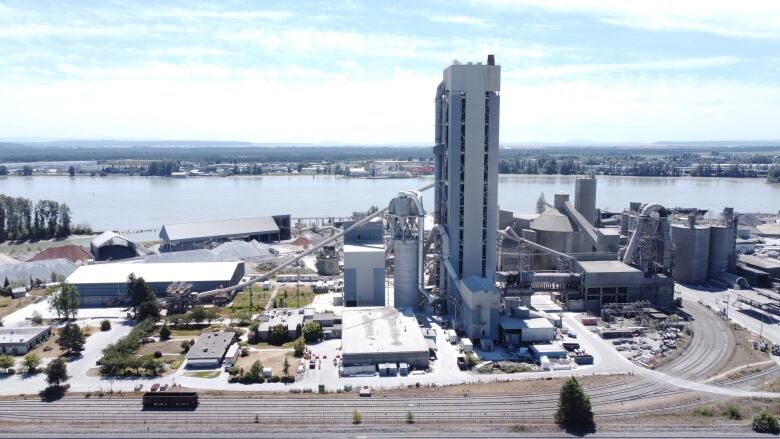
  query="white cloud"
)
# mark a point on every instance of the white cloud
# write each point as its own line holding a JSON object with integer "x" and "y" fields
{"x": 186, "y": 52}
{"x": 228, "y": 14}
{"x": 641, "y": 66}
{"x": 307, "y": 41}
{"x": 747, "y": 18}
{"x": 459, "y": 19}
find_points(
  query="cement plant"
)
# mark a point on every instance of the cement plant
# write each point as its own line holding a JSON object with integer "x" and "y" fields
{"x": 462, "y": 313}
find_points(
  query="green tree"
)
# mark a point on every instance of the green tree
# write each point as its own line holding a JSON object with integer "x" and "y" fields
{"x": 31, "y": 362}
{"x": 299, "y": 347}
{"x": 71, "y": 171}
{"x": 137, "y": 291}
{"x": 71, "y": 338}
{"x": 198, "y": 314}
{"x": 357, "y": 418}
{"x": 765, "y": 422}
{"x": 105, "y": 325}
{"x": 256, "y": 370}
{"x": 6, "y": 362}
{"x": 57, "y": 372}
{"x": 165, "y": 332}
{"x": 286, "y": 366}
{"x": 64, "y": 300}
{"x": 148, "y": 309}
{"x": 312, "y": 331}
{"x": 409, "y": 417}
{"x": 574, "y": 408}
{"x": 278, "y": 335}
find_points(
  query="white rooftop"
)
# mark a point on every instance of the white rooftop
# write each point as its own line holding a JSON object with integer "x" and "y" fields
{"x": 380, "y": 330}
{"x": 508, "y": 322}
{"x": 154, "y": 272}
{"x": 20, "y": 335}
{"x": 606, "y": 267}
{"x": 368, "y": 248}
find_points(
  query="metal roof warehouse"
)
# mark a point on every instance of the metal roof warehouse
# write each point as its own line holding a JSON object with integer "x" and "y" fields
{"x": 106, "y": 284}
{"x": 188, "y": 236}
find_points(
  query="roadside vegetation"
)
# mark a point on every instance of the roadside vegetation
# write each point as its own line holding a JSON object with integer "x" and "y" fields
{"x": 121, "y": 358}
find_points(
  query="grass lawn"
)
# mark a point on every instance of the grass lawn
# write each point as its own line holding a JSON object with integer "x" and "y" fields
{"x": 177, "y": 332}
{"x": 288, "y": 295}
{"x": 240, "y": 303}
{"x": 166, "y": 347}
{"x": 203, "y": 374}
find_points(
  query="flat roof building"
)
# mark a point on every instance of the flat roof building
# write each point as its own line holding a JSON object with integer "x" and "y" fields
{"x": 190, "y": 236}
{"x": 209, "y": 349}
{"x": 19, "y": 341}
{"x": 364, "y": 275}
{"x": 106, "y": 284}
{"x": 372, "y": 336}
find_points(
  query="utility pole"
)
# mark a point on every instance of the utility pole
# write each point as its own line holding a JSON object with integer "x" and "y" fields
{"x": 298, "y": 282}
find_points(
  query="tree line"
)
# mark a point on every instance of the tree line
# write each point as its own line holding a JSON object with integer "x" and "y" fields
{"x": 20, "y": 219}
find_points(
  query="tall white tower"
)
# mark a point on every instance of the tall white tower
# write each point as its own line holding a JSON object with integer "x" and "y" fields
{"x": 466, "y": 154}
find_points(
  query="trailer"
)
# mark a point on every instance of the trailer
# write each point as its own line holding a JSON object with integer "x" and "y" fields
{"x": 164, "y": 400}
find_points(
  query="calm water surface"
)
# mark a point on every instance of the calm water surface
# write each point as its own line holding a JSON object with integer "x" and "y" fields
{"x": 131, "y": 203}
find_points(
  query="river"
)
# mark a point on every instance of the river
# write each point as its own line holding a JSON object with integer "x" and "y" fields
{"x": 134, "y": 203}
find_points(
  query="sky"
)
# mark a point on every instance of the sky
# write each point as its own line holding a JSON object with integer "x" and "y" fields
{"x": 365, "y": 72}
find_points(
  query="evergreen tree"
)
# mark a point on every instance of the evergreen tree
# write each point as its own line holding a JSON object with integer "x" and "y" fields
{"x": 574, "y": 409}
{"x": 71, "y": 338}
{"x": 57, "y": 372}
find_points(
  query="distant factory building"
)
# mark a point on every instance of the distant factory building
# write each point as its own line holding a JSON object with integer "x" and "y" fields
{"x": 373, "y": 336}
{"x": 364, "y": 265}
{"x": 191, "y": 236}
{"x": 209, "y": 349}
{"x": 767, "y": 265}
{"x": 111, "y": 246}
{"x": 19, "y": 341}
{"x": 106, "y": 284}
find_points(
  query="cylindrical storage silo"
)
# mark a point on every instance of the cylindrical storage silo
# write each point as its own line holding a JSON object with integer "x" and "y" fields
{"x": 585, "y": 197}
{"x": 721, "y": 246}
{"x": 405, "y": 292}
{"x": 692, "y": 250}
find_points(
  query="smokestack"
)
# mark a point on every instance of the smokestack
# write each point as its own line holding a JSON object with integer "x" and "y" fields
{"x": 491, "y": 60}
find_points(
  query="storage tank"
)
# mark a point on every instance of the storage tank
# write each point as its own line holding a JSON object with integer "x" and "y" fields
{"x": 555, "y": 230}
{"x": 405, "y": 292}
{"x": 692, "y": 249}
{"x": 585, "y": 197}
{"x": 721, "y": 246}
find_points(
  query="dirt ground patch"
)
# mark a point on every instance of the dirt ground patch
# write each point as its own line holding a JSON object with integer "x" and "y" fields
{"x": 273, "y": 359}
{"x": 168, "y": 347}
{"x": 8, "y": 305}
{"x": 50, "y": 349}
{"x": 744, "y": 352}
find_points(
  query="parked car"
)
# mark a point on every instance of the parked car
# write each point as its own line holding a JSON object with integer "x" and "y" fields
{"x": 155, "y": 387}
{"x": 462, "y": 362}
{"x": 139, "y": 387}
{"x": 163, "y": 388}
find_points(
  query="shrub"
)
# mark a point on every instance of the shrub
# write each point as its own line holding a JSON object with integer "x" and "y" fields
{"x": 688, "y": 330}
{"x": 157, "y": 354}
{"x": 765, "y": 422}
{"x": 357, "y": 418}
{"x": 288, "y": 379}
{"x": 274, "y": 379}
{"x": 678, "y": 301}
{"x": 105, "y": 325}
{"x": 409, "y": 417}
{"x": 165, "y": 332}
{"x": 278, "y": 335}
{"x": 732, "y": 412}
{"x": 471, "y": 360}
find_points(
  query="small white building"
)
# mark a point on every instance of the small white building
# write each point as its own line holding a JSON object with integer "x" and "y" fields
{"x": 19, "y": 341}
{"x": 364, "y": 275}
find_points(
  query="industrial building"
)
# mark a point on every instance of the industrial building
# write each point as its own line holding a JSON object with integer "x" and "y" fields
{"x": 205, "y": 234}
{"x": 364, "y": 265}
{"x": 209, "y": 349}
{"x": 328, "y": 261}
{"x": 466, "y": 191}
{"x": 111, "y": 246}
{"x": 706, "y": 249}
{"x": 373, "y": 336}
{"x": 19, "y": 341}
{"x": 294, "y": 319}
{"x": 106, "y": 284}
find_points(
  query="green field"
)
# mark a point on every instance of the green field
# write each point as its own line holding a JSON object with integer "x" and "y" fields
{"x": 288, "y": 295}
